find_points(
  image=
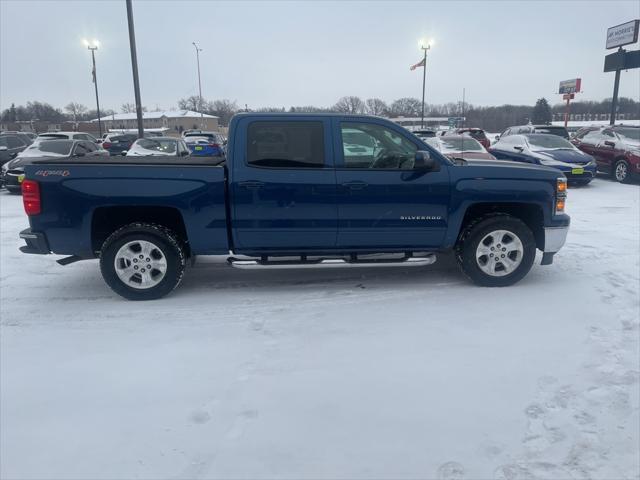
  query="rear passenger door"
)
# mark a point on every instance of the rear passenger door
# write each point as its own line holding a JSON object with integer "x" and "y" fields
{"x": 283, "y": 185}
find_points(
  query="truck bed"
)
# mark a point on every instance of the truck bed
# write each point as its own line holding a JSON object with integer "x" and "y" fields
{"x": 83, "y": 198}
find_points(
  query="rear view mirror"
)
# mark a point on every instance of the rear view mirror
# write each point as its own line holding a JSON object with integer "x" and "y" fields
{"x": 424, "y": 161}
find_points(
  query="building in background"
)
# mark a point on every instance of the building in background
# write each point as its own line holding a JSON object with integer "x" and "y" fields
{"x": 175, "y": 120}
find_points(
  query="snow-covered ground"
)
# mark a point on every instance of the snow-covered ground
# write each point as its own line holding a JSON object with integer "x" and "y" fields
{"x": 329, "y": 374}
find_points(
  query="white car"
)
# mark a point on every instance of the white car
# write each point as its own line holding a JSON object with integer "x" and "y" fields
{"x": 66, "y": 136}
{"x": 158, "y": 146}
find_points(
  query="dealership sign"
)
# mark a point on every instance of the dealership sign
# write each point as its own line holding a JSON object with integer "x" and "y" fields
{"x": 623, "y": 34}
{"x": 570, "y": 86}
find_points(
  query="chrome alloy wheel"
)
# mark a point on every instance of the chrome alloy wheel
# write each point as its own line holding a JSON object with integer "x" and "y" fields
{"x": 140, "y": 264}
{"x": 499, "y": 253}
{"x": 621, "y": 171}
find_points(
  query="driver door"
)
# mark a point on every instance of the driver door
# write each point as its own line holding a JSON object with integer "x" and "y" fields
{"x": 383, "y": 203}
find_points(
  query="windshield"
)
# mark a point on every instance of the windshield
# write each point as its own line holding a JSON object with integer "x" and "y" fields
{"x": 460, "y": 144}
{"x": 548, "y": 142}
{"x": 560, "y": 131}
{"x": 630, "y": 133}
{"x": 49, "y": 148}
{"x": 164, "y": 145}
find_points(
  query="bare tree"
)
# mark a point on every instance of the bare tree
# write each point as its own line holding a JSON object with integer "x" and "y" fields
{"x": 128, "y": 108}
{"x": 76, "y": 110}
{"x": 406, "y": 107}
{"x": 191, "y": 103}
{"x": 351, "y": 104}
{"x": 224, "y": 109}
{"x": 375, "y": 106}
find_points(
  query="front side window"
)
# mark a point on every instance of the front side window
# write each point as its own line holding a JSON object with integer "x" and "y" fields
{"x": 366, "y": 145}
{"x": 285, "y": 144}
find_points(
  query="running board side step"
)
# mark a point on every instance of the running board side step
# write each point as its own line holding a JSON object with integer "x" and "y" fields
{"x": 332, "y": 263}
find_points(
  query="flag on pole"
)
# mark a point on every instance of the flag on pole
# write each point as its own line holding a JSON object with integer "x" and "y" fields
{"x": 419, "y": 64}
{"x": 93, "y": 74}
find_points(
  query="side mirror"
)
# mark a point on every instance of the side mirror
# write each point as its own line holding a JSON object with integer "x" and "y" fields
{"x": 496, "y": 138}
{"x": 518, "y": 148}
{"x": 225, "y": 143}
{"x": 424, "y": 161}
{"x": 123, "y": 153}
{"x": 79, "y": 154}
{"x": 609, "y": 143}
{"x": 3, "y": 149}
{"x": 184, "y": 153}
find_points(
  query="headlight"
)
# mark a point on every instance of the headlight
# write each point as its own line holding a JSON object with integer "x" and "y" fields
{"x": 561, "y": 195}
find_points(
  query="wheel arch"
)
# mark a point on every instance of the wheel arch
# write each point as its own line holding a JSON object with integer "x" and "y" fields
{"x": 530, "y": 214}
{"x": 106, "y": 220}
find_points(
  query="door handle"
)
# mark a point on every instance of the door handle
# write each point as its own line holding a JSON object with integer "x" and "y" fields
{"x": 355, "y": 185}
{"x": 251, "y": 184}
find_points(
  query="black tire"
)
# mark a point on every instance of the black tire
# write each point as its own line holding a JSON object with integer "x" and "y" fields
{"x": 476, "y": 231}
{"x": 165, "y": 240}
{"x": 620, "y": 171}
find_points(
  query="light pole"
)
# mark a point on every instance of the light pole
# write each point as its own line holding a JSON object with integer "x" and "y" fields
{"x": 198, "y": 50}
{"x": 93, "y": 46}
{"x": 134, "y": 68}
{"x": 425, "y": 46}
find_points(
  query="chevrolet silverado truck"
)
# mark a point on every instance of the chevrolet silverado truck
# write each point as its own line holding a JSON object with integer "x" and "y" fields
{"x": 295, "y": 190}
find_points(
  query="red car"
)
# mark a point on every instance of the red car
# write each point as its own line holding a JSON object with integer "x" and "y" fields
{"x": 615, "y": 148}
{"x": 475, "y": 133}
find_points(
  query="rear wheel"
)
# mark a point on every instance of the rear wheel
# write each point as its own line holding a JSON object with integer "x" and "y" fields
{"x": 142, "y": 261}
{"x": 496, "y": 251}
{"x": 621, "y": 171}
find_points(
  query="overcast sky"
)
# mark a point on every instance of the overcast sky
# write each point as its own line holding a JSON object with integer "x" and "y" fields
{"x": 309, "y": 53}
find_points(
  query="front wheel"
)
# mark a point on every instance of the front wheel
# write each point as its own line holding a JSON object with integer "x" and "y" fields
{"x": 496, "y": 251}
{"x": 621, "y": 171}
{"x": 142, "y": 261}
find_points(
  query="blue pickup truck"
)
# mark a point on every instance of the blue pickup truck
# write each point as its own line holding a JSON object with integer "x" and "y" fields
{"x": 295, "y": 190}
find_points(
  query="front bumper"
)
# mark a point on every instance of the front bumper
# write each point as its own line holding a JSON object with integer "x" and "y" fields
{"x": 36, "y": 242}
{"x": 554, "y": 238}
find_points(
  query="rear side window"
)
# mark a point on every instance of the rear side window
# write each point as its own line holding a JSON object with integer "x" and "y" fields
{"x": 286, "y": 144}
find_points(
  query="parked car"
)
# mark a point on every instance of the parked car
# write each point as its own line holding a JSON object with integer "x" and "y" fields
{"x": 460, "y": 147}
{"x": 12, "y": 172}
{"x": 158, "y": 146}
{"x": 203, "y": 146}
{"x": 424, "y": 133}
{"x": 525, "y": 129}
{"x": 116, "y": 143}
{"x": 286, "y": 197}
{"x": 67, "y": 136}
{"x": 10, "y": 146}
{"x": 215, "y": 137}
{"x": 549, "y": 150}
{"x": 27, "y": 137}
{"x": 615, "y": 148}
{"x": 475, "y": 133}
